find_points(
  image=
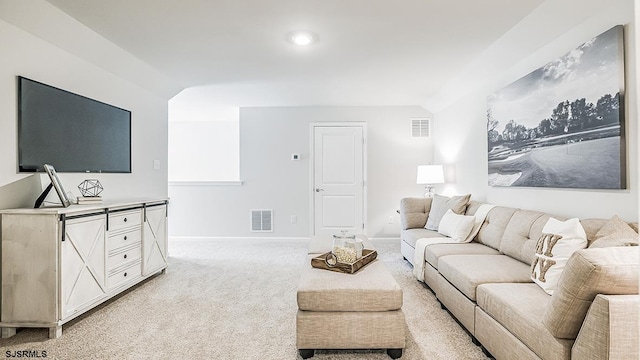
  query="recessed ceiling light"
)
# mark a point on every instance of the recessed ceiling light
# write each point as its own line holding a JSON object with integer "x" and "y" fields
{"x": 302, "y": 38}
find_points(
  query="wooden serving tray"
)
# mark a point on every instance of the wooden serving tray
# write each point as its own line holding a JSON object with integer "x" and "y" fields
{"x": 347, "y": 268}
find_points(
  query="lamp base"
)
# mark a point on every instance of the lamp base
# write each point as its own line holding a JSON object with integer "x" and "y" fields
{"x": 429, "y": 191}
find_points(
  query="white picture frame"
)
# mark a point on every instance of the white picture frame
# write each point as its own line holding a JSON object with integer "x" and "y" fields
{"x": 57, "y": 184}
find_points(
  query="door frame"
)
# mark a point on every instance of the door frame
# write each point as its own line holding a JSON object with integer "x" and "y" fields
{"x": 312, "y": 167}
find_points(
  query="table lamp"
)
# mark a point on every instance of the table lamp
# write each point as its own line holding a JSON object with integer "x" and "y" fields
{"x": 429, "y": 175}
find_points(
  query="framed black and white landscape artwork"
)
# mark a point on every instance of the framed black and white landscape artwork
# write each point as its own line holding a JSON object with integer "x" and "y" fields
{"x": 562, "y": 125}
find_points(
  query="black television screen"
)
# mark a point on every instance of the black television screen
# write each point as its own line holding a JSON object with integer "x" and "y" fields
{"x": 70, "y": 131}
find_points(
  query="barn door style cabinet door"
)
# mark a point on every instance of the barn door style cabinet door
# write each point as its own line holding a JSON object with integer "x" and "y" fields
{"x": 82, "y": 252}
{"x": 58, "y": 263}
{"x": 155, "y": 239}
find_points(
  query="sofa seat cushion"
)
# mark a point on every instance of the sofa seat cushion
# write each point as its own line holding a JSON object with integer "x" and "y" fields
{"x": 435, "y": 251}
{"x": 466, "y": 272}
{"x": 410, "y": 236}
{"x": 520, "y": 308}
{"x": 372, "y": 288}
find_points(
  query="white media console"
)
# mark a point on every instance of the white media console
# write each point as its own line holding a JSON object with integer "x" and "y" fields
{"x": 58, "y": 263}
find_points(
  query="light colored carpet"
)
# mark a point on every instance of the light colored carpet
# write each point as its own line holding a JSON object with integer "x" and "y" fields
{"x": 234, "y": 299}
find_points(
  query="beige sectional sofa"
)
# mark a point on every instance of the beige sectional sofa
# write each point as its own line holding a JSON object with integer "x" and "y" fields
{"x": 486, "y": 285}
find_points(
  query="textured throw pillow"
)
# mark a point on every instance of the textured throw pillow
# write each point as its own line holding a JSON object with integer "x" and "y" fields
{"x": 456, "y": 226}
{"x": 440, "y": 205}
{"x": 559, "y": 240}
{"x": 616, "y": 232}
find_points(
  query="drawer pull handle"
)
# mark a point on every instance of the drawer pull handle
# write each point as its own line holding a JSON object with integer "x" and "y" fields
{"x": 125, "y": 256}
{"x": 125, "y": 237}
{"x": 125, "y": 274}
{"x": 125, "y": 219}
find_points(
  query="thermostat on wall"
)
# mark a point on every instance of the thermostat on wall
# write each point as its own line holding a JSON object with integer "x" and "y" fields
{"x": 295, "y": 156}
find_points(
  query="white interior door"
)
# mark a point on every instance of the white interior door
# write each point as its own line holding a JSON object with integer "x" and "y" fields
{"x": 338, "y": 179}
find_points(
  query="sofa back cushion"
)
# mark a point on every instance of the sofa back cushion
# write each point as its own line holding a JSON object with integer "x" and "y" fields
{"x": 495, "y": 223}
{"x": 608, "y": 271}
{"x": 414, "y": 212}
{"x": 522, "y": 233}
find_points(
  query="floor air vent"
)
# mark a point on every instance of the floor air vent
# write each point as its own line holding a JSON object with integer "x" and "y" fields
{"x": 261, "y": 220}
{"x": 420, "y": 127}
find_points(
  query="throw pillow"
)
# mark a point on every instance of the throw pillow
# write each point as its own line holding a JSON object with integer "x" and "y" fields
{"x": 456, "y": 226}
{"x": 616, "y": 232}
{"x": 559, "y": 240}
{"x": 440, "y": 205}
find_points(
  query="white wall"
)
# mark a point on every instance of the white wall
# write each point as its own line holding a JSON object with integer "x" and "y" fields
{"x": 204, "y": 139}
{"x": 552, "y": 30}
{"x": 636, "y": 31}
{"x": 30, "y": 56}
{"x": 204, "y": 151}
{"x": 271, "y": 180}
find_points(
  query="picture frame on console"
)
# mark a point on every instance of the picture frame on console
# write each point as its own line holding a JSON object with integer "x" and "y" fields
{"x": 55, "y": 183}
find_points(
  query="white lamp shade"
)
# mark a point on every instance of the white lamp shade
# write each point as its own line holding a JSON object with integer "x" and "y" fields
{"x": 430, "y": 174}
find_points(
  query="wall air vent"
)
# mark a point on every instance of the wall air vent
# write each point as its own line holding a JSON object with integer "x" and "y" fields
{"x": 262, "y": 220}
{"x": 420, "y": 127}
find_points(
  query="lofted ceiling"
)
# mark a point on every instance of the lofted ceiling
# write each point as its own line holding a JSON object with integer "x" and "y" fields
{"x": 368, "y": 53}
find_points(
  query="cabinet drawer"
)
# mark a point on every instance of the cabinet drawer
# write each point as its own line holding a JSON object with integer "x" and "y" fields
{"x": 123, "y": 220}
{"x": 125, "y": 275}
{"x": 124, "y": 239}
{"x": 123, "y": 258}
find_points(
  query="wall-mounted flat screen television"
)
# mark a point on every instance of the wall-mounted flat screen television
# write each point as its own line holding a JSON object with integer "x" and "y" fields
{"x": 70, "y": 131}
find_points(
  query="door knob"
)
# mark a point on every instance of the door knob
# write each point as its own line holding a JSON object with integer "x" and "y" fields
{"x": 319, "y": 189}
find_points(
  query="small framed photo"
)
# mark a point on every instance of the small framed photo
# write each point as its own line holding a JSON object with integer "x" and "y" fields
{"x": 57, "y": 185}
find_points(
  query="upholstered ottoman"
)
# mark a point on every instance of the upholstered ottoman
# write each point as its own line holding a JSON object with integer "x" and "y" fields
{"x": 349, "y": 311}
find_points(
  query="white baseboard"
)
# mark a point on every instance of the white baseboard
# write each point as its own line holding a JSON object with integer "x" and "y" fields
{"x": 264, "y": 238}
{"x": 205, "y": 183}
{"x": 236, "y": 238}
